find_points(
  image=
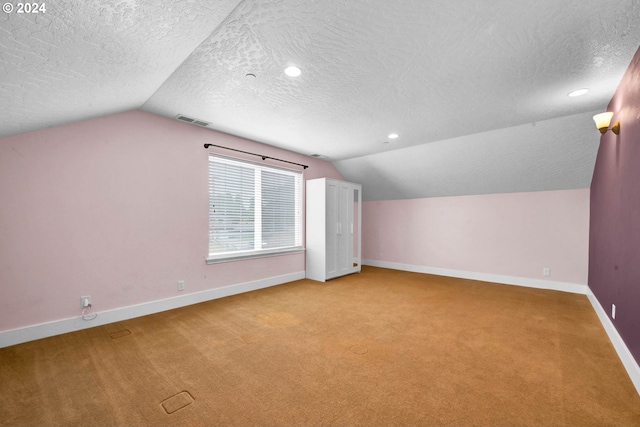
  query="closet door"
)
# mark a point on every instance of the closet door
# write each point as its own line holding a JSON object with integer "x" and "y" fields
{"x": 356, "y": 228}
{"x": 332, "y": 227}
{"x": 345, "y": 220}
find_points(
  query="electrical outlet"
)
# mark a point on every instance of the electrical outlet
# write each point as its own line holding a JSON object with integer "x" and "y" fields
{"x": 613, "y": 311}
{"x": 85, "y": 301}
{"x": 181, "y": 285}
{"x": 546, "y": 271}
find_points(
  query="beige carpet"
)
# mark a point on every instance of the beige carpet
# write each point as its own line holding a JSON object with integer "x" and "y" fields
{"x": 380, "y": 348}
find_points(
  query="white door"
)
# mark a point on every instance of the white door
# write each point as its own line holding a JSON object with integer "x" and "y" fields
{"x": 355, "y": 229}
{"x": 345, "y": 219}
{"x": 332, "y": 229}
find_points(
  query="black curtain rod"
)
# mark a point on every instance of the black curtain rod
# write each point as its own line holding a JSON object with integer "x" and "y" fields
{"x": 254, "y": 154}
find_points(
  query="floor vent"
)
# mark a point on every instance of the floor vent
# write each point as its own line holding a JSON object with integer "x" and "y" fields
{"x": 120, "y": 334}
{"x": 177, "y": 402}
{"x": 192, "y": 121}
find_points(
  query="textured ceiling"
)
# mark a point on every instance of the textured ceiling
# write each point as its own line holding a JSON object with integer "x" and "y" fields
{"x": 428, "y": 70}
{"x": 448, "y": 76}
{"x": 88, "y": 58}
{"x": 555, "y": 154}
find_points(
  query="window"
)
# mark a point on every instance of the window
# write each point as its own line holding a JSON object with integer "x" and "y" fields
{"x": 254, "y": 209}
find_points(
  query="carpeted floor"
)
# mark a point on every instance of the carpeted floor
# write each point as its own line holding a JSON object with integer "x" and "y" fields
{"x": 380, "y": 348}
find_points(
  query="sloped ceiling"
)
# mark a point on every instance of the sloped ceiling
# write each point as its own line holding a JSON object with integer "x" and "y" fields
{"x": 87, "y": 58}
{"x": 450, "y": 77}
{"x": 554, "y": 154}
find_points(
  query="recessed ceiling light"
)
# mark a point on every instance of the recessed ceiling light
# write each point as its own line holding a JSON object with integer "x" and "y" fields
{"x": 578, "y": 92}
{"x": 292, "y": 71}
{"x": 393, "y": 136}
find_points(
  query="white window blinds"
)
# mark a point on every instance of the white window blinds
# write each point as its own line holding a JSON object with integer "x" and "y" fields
{"x": 253, "y": 209}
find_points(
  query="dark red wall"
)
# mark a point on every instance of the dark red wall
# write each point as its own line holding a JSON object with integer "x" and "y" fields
{"x": 614, "y": 237}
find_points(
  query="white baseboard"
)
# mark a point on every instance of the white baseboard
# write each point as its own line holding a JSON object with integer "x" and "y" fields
{"x": 485, "y": 277}
{"x": 630, "y": 364}
{"x": 49, "y": 329}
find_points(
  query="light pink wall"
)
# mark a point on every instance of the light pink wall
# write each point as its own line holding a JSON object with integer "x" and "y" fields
{"x": 515, "y": 234}
{"x": 115, "y": 208}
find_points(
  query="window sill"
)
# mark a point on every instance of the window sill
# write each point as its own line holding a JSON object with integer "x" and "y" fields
{"x": 242, "y": 257}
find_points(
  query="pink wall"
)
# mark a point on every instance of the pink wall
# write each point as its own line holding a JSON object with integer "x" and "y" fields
{"x": 515, "y": 234}
{"x": 115, "y": 208}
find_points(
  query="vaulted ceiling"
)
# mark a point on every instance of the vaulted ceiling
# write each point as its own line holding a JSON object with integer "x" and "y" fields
{"x": 477, "y": 90}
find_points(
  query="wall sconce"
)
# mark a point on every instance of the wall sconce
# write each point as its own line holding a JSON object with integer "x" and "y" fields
{"x": 602, "y": 123}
